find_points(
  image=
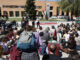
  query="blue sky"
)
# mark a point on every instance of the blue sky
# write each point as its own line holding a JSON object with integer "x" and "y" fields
{"x": 47, "y": 0}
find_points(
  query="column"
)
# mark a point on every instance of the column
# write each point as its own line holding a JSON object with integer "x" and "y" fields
{"x": 60, "y": 12}
{"x": 8, "y": 13}
{"x": 20, "y": 15}
{"x": 65, "y": 13}
{"x": 14, "y": 13}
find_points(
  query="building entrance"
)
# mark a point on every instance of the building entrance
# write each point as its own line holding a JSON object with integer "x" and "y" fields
{"x": 50, "y": 14}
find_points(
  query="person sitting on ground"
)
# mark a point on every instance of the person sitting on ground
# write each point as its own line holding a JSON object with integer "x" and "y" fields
{"x": 59, "y": 48}
{"x": 77, "y": 39}
{"x": 52, "y": 55}
{"x": 72, "y": 47}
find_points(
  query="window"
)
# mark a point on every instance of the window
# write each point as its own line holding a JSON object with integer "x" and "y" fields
{"x": 23, "y": 13}
{"x": 58, "y": 10}
{"x": 12, "y": 6}
{"x": 11, "y": 13}
{"x": 39, "y": 13}
{"x": 51, "y": 7}
{"x": 38, "y": 7}
{"x": 67, "y": 13}
{"x": 17, "y": 13}
{"x": 22, "y": 6}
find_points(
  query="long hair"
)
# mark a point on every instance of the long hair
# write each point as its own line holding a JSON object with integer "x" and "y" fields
{"x": 72, "y": 42}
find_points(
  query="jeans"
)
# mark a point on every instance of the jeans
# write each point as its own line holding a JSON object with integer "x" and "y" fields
{"x": 29, "y": 56}
{"x": 43, "y": 50}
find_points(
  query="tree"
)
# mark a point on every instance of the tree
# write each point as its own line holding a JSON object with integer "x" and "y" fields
{"x": 72, "y": 6}
{"x": 30, "y": 9}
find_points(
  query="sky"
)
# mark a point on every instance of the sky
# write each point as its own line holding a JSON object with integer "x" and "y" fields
{"x": 46, "y": 0}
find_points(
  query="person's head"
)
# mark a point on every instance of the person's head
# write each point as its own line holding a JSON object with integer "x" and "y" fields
{"x": 20, "y": 31}
{"x": 66, "y": 31}
{"x": 40, "y": 28}
{"x": 14, "y": 32}
{"x": 1, "y": 51}
{"x": 41, "y": 34}
{"x": 67, "y": 24}
{"x": 71, "y": 38}
{"x": 53, "y": 27}
{"x": 52, "y": 48}
{"x": 76, "y": 34}
{"x": 15, "y": 28}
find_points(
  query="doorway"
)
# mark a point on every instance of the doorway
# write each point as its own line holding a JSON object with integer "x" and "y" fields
{"x": 50, "y": 14}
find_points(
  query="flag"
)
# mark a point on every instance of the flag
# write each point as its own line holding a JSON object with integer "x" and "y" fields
{"x": 45, "y": 10}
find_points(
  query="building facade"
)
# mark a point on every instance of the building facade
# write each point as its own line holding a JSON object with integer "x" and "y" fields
{"x": 15, "y": 8}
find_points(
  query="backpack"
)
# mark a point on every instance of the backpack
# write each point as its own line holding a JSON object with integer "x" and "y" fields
{"x": 26, "y": 41}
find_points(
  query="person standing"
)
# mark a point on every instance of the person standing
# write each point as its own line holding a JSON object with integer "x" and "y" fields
{"x": 22, "y": 22}
{"x": 33, "y": 23}
{"x": 38, "y": 22}
{"x": 29, "y": 52}
{"x": 4, "y": 26}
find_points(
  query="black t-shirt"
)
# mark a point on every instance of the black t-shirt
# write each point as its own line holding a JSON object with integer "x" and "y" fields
{"x": 51, "y": 57}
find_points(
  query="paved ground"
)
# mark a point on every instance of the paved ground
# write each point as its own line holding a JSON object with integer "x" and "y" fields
{"x": 45, "y": 24}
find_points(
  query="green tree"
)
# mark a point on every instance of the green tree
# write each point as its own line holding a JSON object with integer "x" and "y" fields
{"x": 72, "y": 6}
{"x": 30, "y": 9}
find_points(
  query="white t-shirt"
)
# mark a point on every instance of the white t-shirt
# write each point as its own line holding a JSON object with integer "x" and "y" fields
{"x": 78, "y": 32}
{"x": 66, "y": 36}
{"x": 77, "y": 39}
{"x": 52, "y": 31}
{"x": 37, "y": 19}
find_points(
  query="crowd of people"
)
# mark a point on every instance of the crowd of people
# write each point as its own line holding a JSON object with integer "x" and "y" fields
{"x": 29, "y": 42}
